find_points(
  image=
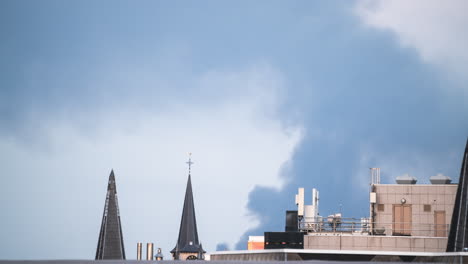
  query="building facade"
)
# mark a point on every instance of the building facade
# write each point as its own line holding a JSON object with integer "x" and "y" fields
{"x": 404, "y": 217}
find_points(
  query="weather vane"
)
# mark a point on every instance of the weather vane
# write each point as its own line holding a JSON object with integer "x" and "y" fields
{"x": 189, "y": 162}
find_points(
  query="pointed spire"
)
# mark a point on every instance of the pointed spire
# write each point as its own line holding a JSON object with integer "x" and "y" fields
{"x": 188, "y": 235}
{"x": 458, "y": 236}
{"x": 111, "y": 183}
{"x": 110, "y": 243}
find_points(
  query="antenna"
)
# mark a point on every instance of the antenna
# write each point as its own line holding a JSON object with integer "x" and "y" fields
{"x": 375, "y": 175}
{"x": 300, "y": 202}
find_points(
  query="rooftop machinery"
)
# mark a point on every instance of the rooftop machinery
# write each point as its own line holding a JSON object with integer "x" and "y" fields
{"x": 310, "y": 221}
{"x": 308, "y": 215}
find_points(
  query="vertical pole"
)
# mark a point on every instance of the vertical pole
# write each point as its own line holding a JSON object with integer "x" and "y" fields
{"x": 139, "y": 250}
{"x": 149, "y": 251}
{"x": 375, "y": 179}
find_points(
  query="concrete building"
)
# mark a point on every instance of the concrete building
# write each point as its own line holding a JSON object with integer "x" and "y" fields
{"x": 404, "y": 217}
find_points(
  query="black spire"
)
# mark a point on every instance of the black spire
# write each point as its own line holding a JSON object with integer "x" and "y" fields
{"x": 110, "y": 244}
{"x": 458, "y": 236}
{"x": 188, "y": 235}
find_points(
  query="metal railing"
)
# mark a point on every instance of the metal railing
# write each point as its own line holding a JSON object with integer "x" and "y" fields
{"x": 363, "y": 226}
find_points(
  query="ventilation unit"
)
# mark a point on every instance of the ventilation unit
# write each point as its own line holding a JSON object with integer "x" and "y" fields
{"x": 406, "y": 179}
{"x": 440, "y": 179}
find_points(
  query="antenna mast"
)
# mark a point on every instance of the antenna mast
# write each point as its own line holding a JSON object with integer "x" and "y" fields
{"x": 375, "y": 175}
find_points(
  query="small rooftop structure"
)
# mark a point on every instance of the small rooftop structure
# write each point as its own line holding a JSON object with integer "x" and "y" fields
{"x": 406, "y": 179}
{"x": 440, "y": 179}
{"x": 256, "y": 243}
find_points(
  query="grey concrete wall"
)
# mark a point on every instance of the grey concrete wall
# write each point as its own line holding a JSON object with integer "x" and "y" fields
{"x": 376, "y": 243}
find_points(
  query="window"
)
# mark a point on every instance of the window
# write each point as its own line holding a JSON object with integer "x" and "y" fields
{"x": 427, "y": 208}
{"x": 380, "y": 207}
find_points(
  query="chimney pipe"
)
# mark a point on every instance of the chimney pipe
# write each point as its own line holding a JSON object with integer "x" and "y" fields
{"x": 149, "y": 251}
{"x": 139, "y": 250}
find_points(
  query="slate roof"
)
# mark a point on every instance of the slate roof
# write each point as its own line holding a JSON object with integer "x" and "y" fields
{"x": 188, "y": 234}
{"x": 110, "y": 243}
{"x": 458, "y": 236}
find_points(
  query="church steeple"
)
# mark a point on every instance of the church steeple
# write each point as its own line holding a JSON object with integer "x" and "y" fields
{"x": 458, "y": 236}
{"x": 110, "y": 243}
{"x": 188, "y": 246}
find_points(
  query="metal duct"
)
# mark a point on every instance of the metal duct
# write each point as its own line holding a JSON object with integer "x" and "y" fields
{"x": 139, "y": 250}
{"x": 149, "y": 251}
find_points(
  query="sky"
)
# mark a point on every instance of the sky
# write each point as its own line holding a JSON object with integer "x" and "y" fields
{"x": 268, "y": 96}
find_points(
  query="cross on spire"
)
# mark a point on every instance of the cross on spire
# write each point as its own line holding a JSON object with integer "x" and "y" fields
{"x": 189, "y": 162}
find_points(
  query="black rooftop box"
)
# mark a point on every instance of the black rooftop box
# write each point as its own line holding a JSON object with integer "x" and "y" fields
{"x": 291, "y": 221}
{"x": 276, "y": 240}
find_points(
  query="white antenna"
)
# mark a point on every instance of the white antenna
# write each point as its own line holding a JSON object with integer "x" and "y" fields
{"x": 375, "y": 175}
{"x": 300, "y": 202}
{"x": 315, "y": 201}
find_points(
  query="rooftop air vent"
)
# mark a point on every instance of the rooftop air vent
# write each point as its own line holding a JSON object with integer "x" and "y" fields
{"x": 406, "y": 179}
{"x": 440, "y": 179}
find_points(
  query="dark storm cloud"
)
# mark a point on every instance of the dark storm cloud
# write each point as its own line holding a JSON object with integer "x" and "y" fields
{"x": 362, "y": 94}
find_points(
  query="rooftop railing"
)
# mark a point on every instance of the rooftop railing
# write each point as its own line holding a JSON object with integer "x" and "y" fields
{"x": 363, "y": 226}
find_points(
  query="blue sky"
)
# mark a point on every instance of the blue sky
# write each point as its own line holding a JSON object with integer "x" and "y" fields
{"x": 269, "y": 96}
